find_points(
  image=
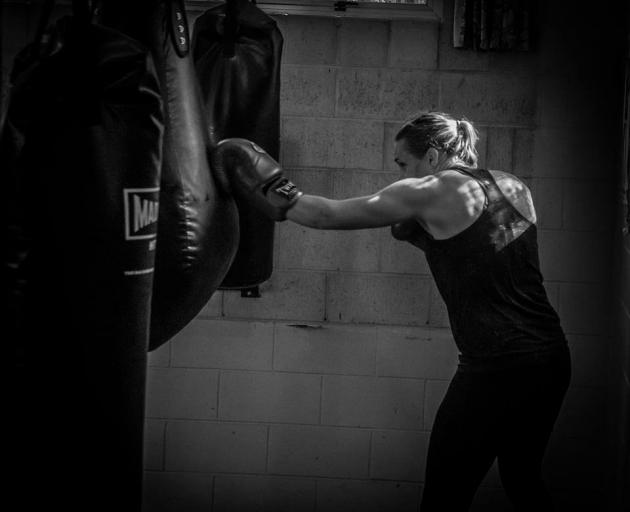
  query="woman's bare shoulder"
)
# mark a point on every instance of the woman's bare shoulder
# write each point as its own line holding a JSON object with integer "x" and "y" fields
{"x": 517, "y": 192}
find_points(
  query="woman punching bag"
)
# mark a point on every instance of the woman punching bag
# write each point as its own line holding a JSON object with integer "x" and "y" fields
{"x": 81, "y": 157}
{"x": 237, "y": 50}
{"x": 198, "y": 220}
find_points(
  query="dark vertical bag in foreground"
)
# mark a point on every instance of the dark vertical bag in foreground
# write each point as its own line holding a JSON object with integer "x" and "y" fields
{"x": 81, "y": 159}
{"x": 198, "y": 220}
{"x": 237, "y": 50}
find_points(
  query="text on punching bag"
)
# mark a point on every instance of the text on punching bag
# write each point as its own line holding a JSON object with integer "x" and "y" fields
{"x": 141, "y": 213}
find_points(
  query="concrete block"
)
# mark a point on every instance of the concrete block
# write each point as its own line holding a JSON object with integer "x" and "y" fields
{"x": 154, "y": 445}
{"x": 287, "y": 295}
{"x": 500, "y": 148}
{"x": 523, "y": 152}
{"x": 547, "y": 196}
{"x": 263, "y": 494}
{"x": 308, "y": 40}
{"x": 389, "y": 165}
{"x": 523, "y": 63}
{"x": 351, "y": 183}
{"x": 305, "y": 248}
{"x": 435, "y": 390}
{"x": 308, "y": 90}
{"x": 245, "y": 345}
{"x": 269, "y": 397}
{"x": 311, "y": 181}
{"x": 584, "y": 308}
{"x": 386, "y": 94}
{"x": 399, "y": 455}
{"x": 161, "y": 356}
{"x": 318, "y": 451}
{"x": 366, "y": 496}
{"x": 562, "y": 153}
{"x": 553, "y": 293}
{"x": 553, "y": 104}
{"x": 215, "y": 447}
{"x": 570, "y": 100}
{"x": 376, "y": 402}
{"x": 214, "y": 306}
{"x": 176, "y": 492}
{"x": 438, "y": 314}
{"x": 362, "y": 43}
{"x": 181, "y": 393}
{"x": 416, "y": 352}
{"x": 413, "y": 45}
{"x": 381, "y": 299}
{"x": 587, "y": 205}
{"x": 486, "y": 98}
{"x": 589, "y": 360}
{"x": 325, "y": 348}
{"x": 361, "y": 92}
{"x": 482, "y": 146}
{"x": 400, "y": 257}
{"x": 574, "y": 256}
{"x": 332, "y": 143}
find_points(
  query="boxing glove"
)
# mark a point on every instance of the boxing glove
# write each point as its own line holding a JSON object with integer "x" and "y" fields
{"x": 255, "y": 176}
{"x": 410, "y": 231}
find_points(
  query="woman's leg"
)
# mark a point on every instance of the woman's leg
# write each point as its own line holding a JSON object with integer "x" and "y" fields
{"x": 463, "y": 443}
{"x": 531, "y": 413}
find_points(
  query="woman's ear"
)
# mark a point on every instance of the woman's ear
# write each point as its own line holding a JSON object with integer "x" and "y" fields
{"x": 433, "y": 157}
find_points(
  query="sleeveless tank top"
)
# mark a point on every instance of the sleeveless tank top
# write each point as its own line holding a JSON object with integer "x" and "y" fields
{"x": 489, "y": 277}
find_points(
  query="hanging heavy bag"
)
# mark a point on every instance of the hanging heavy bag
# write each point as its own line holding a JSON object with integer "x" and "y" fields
{"x": 237, "y": 50}
{"x": 81, "y": 153}
{"x": 198, "y": 219}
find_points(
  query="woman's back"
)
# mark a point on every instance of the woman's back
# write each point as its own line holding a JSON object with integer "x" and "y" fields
{"x": 489, "y": 276}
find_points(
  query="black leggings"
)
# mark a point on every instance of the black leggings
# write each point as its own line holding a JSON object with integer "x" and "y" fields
{"x": 504, "y": 414}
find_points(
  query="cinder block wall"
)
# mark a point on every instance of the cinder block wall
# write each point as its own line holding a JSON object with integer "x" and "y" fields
{"x": 320, "y": 395}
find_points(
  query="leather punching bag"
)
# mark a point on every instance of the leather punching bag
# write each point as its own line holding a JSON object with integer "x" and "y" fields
{"x": 198, "y": 219}
{"x": 237, "y": 50}
{"x": 81, "y": 157}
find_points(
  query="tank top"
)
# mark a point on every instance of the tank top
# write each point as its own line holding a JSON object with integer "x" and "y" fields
{"x": 489, "y": 277}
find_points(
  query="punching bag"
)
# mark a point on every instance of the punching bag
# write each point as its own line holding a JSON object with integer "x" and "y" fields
{"x": 198, "y": 219}
{"x": 237, "y": 50}
{"x": 81, "y": 157}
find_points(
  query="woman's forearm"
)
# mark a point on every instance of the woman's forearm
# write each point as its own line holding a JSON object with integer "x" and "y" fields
{"x": 353, "y": 213}
{"x": 313, "y": 211}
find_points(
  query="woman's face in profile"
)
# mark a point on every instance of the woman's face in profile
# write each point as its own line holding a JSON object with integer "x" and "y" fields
{"x": 409, "y": 165}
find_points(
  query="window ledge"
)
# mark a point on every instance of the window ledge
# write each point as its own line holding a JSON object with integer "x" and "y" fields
{"x": 430, "y": 13}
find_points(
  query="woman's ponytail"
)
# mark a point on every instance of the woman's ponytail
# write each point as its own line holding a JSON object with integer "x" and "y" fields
{"x": 439, "y": 130}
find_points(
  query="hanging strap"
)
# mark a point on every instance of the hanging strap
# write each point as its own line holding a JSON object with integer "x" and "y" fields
{"x": 178, "y": 27}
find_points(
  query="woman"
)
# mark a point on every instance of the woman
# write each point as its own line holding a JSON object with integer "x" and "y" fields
{"x": 477, "y": 229}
